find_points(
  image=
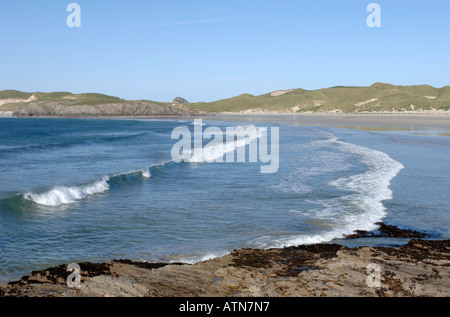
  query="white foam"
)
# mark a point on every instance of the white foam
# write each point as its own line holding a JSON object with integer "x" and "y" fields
{"x": 67, "y": 195}
{"x": 193, "y": 259}
{"x": 210, "y": 153}
{"x": 196, "y": 123}
{"x": 372, "y": 186}
{"x": 146, "y": 173}
{"x": 319, "y": 163}
{"x": 360, "y": 210}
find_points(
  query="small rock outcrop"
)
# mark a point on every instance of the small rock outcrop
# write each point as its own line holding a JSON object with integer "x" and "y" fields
{"x": 180, "y": 101}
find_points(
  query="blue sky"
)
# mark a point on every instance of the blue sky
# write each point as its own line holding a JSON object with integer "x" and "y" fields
{"x": 209, "y": 50}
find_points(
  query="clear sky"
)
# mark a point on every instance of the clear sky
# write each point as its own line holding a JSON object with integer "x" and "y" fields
{"x": 204, "y": 50}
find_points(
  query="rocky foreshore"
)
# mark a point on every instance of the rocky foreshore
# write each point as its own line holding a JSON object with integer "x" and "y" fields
{"x": 419, "y": 268}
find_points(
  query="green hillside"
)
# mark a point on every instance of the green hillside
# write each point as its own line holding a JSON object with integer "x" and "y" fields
{"x": 378, "y": 97}
{"x": 347, "y": 99}
{"x": 17, "y": 98}
{"x": 14, "y": 94}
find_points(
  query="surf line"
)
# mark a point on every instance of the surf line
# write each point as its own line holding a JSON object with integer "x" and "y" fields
{"x": 225, "y": 144}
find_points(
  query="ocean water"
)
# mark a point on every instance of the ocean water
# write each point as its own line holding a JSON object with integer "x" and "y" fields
{"x": 76, "y": 190}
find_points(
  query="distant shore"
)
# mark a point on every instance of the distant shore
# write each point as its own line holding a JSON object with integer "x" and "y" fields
{"x": 361, "y": 120}
{"x": 351, "y": 120}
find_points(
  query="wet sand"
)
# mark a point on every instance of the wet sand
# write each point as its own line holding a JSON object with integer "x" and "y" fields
{"x": 370, "y": 122}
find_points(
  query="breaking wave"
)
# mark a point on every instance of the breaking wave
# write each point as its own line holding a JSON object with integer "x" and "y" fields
{"x": 63, "y": 195}
{"x": 213, "y": 151}
{"x": 67, "y": 195}
{"x": 361, "y": 209}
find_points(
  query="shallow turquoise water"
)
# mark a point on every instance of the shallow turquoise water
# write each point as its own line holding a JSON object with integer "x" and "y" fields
{"x": 91, "y": 190}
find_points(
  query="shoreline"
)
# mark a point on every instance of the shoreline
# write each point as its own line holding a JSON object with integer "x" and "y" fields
{"x": 418, "y": 268}
{"x": 355, "y": 121}
{"x": 344, "y": 120}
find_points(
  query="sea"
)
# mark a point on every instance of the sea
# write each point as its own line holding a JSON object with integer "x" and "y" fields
{"x": 77, "y": 190}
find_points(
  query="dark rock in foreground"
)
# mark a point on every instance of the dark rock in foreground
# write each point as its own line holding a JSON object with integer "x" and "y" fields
{"x": 419, "y": 268}
{"x": 385, "y": 230}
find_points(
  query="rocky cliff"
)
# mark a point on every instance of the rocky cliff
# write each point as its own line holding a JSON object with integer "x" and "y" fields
{"x": 68, "y": 108}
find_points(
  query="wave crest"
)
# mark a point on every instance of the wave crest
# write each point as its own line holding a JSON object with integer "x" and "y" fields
{"x": 359, "y": 210}
{"x": 67, "y": 195}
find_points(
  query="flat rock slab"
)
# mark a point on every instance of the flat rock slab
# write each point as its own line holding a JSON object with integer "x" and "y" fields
{"x": 419, "y": 268}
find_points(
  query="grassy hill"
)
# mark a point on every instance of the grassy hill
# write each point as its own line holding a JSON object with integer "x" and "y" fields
{"x": 11, "y": 99}
{"x": 378, "y": 97}
{"x": 66, "y": 104}
{"x": 347, "y": 99}
{"x": 14, "y": 94}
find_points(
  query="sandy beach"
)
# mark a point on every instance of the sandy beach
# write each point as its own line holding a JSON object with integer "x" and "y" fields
{"x": 368, "y": 122}
{"x": 371, "y": 122}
